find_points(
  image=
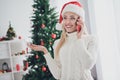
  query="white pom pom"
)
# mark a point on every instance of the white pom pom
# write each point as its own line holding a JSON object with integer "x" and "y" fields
{"x": 58, "y": 26}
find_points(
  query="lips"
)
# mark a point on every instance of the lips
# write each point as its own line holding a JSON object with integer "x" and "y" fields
{"x": 68, "y": 26}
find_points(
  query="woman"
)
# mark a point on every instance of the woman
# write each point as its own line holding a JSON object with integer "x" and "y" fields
{"x": 75, "y": 53}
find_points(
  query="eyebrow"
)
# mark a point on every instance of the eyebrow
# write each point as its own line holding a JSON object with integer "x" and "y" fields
{"x": 69, "y": 16}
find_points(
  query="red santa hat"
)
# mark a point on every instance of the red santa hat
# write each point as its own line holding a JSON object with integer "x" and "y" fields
{"x": 73, "y": 6}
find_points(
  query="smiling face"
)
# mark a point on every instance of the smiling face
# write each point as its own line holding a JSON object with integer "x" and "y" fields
{"x": 69, "y": 22}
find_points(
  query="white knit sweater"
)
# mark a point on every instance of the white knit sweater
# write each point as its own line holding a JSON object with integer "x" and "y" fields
{"x": 76, "y": 58}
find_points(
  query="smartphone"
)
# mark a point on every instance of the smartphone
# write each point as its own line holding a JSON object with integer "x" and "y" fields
{"x": 78, "y": 26}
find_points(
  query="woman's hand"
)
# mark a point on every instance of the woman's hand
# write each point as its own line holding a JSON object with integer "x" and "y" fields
{"x": 37, "y": 48}
{"x": 80, "y": 27}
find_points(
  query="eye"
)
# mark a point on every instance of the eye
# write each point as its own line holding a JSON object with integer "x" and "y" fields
{"x": 72, "y": 18}
{"x": 64, "y": 18}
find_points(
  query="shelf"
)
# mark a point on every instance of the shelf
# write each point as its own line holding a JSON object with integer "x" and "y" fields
{"x": 8, "y": 50}
{"x": 21, "y": 71}
{"x": 4, "y": 50}
{"x": 5, "y": 58}
{"x": 6, "y": 73}
{"x": 6, "y": 76}
{"x": 17, "y": 56}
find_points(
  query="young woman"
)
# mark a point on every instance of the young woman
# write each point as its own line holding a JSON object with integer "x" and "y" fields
{"x": 75, "y": 53}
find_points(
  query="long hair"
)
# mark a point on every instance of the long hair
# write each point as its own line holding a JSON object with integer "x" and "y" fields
{"x": 61, "y": 42}
{"x": 63, "y": 39}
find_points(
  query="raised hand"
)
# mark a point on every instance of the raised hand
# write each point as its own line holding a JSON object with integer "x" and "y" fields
{"x": 80, "y": 27}
{"x": 37, "y": 48}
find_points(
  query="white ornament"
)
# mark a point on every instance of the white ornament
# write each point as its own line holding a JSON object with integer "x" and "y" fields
{"x": 36, "y": 66}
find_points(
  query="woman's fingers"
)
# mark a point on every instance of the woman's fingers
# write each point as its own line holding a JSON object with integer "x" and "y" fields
{"x": 80, "y": 28}
{"x": 28, "y": 44}
{"x": 37, "y": 47}
{"x": 80, "y": 22}
{"x": 34, "y": 45}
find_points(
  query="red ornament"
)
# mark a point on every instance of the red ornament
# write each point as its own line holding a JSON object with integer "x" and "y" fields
{"x": 42, "y": 42}
{"x": 17, "y": 67}
{"x": 43, "y": 26}
{"x": 27, "y": 50}
{"x": 19, "y": 37}
{"x": 44, "y": 68}
{"x": 53, "y": 35}
{"x": 36, "y": 56}
{"x": 23, "y": 51}
{"x": 50, "y": 43}
{"x": 33, "y": 26}
{"x": 25, "y": 65}
{"x": 3, "y": 38}
{"x": 78, "y": 28}
{"x": 34, "y": 9}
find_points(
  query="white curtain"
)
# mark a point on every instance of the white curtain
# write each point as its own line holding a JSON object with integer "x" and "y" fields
{"x": 116, "y": 5}
{"x": 104, "y": 18}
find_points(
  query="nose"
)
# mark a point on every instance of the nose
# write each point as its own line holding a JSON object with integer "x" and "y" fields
{"x": 67, "y": 21}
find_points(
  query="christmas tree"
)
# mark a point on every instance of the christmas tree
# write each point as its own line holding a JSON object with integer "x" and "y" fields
{"x": 10, "y": 33}
{"x": 43, "y": 33}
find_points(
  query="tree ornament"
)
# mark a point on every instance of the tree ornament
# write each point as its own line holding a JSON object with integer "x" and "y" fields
{"x": 19, "y": 37}
{"x": 27, "y": 50}
{"x": 53, "y": 35}
{"x": 50, "y": 43}
{"x": 44, "y": 68}
{"x": 50, "y": 49}
{"x": 41, "y": 42}
{"x": 34, "y": 9}
{"x": 17, "y": 67}
{"x": 59, "y": 26}
{"x": 25, "y": 64}
{"x": 35, "y": 66}
{"x": 43, "y": 26}
{"x": 23, "y": 52}
{"x": 33, "y": 26}
{"x": 36, "y": 56}
{"x": 1, "y": 39}
{"x": 10, "y": 33}
{"x": 5, "y": 67}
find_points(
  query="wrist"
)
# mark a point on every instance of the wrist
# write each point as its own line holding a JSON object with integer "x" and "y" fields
{"x": 45, "y": 51}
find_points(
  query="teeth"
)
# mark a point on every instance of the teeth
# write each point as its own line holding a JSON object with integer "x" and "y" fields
{"x": 68, "y": 26}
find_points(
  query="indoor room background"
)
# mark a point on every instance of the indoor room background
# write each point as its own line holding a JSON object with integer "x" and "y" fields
{"x": 102, "y": 20}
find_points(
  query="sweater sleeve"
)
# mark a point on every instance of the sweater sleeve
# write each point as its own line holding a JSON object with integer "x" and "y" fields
{"x": 88, "y": 53}
{"x": 54, "y": 65}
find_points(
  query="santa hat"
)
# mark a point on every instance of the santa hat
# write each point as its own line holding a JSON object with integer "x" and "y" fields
{"x": 73, "y": 6}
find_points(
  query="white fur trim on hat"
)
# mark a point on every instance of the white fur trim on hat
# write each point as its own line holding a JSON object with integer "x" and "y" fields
{"x": 75, "y": 9}
{"x": 59, "y": 26}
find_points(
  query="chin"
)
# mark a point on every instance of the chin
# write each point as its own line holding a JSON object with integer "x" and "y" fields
{"x": 70, "y": 31}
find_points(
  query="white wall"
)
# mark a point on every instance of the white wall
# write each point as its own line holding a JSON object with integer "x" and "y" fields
{"x": 116, "y": 4}
{"x": 19, "y": 13}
